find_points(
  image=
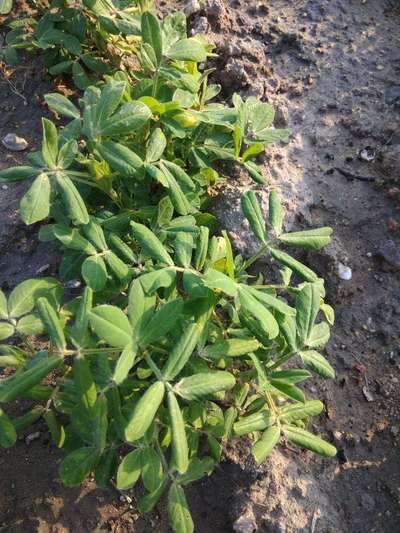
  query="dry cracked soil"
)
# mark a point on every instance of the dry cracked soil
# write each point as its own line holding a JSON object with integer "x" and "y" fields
{"x": 332, "y": 70}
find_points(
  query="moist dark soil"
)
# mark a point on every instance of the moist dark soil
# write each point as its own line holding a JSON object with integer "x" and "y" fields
{"x": 332, "y": 70}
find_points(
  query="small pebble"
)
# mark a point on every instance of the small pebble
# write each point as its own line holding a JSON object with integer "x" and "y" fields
{"x": 42, "y": 269}
{"x": 344, "y": 272}
{"x": 72, "y": 284}
{"x": 14, "y": 143}
{"x": 32, "y": 436}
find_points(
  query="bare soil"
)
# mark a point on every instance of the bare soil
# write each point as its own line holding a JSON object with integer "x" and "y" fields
{"x": 332, "y": 69}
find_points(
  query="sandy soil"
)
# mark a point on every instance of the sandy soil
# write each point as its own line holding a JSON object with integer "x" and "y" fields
{"x": 332, "y": 69}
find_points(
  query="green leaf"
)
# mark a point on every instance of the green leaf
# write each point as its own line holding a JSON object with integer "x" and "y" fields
{"x": 106, "y": 468}
{"x": 144, "y": 412}
{"x": 289, "y": 413}
{"x": 162, "y": 278}
{"x": 61, "y": 105}
{"x": 117, "y": 266}
{"x": 162, "y": 322}
{"x": 94, "y": 232}
{"x": 288, "y": 389}
{"x": 11, "y": 356}
{"x": 120, "y": 158}
{"x": 309, "y": 441}
{"x": 254, "y": 422}
{"x": 156, "y": 145}
{"x": 59, "y": 68}
{"x": 51, "y": 322}
{"x": 8, "y": 435}
{"x": 307, "y": 307}
{"x": 201, "y": 248}
{"x": 111, "y": 325}
{"x": 182, "y": 178}
{"x": 109, "y": 101}
{"x": 14, "y": 386}
{"x": 77, "y": 465}
{"x": 5, "y": 6}
{"x": 275, "y": 213}
{"x": 264, "y": 446}
{"x": 319, "y": 335}
{"x": 151, "y": 34}
{"x": 165, "y": 211}
{"x": 71, "y": 238}
{"x": 140, "y": 308}
{"x": 6, "y": 330}
{"x": 28, "y": 418}
{"x": 67, "y": 154}
{"x": 198, "y": 468}
{"x": 152, "y": 470}
{"x": 129, "y": 470}
{"x": 260, "y": 314}
{"x": 94, "y": 272}
{"x": 292, "y": 375}
{"x": 148, "y": 502}
{"x": 231, "y": 348}
{"x": 178, "y": 510}
{"x": 203, "y": 384}
{"x": 183, "y": 248}
{"x": 187, "y": 50}
{"x": 216, "y": 280}
{"x": 50, "y": 143}
{"x": 255, "y": 172}
{"x": 313, "y": 239}
{"x": 100, "y": 423}
{"x": 230, "y": 416}
{"x": 129, "y": 118}
{"x": 329, "y": 313}
{"x": 56, "y": 429}
{"x": 262, "y": 379}
{"x": 150, "y": 244}
{"x": 85, "y": 386}
{"x": 181, "y": 352}
{"x": 317, "y": 363}
{"x": 230, "y": 265}
{"x": 121, "y": 248}
{"x": 30, "y": 325}
{"x": 180, "y": 452}
{"x": 35, "y": 204}
{"x": 272, "y": 301}
{"x": 81, "y": 80}
{"x": 22, "y": 298}
{"x": 124, "y": 364}
{"x": 3, "y": 305}
{"x": 18, "y": 173}
{"x": 74, "y": 203}
{"x": 177, "y": 195}
{"x": 293, "y": 264}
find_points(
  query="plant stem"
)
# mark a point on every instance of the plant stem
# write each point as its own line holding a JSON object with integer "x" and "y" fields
{"x": 282, "y": 360}
{"x": 260, "y": 252}
{"x": 155, "y": 84}
{"x": 86, "y": 182}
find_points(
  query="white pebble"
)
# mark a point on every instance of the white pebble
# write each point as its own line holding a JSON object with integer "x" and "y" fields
{"x": 14, "y": 143}
{"x": 344, "y": 272}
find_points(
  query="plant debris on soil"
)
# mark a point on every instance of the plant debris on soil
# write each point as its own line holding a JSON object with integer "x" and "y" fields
{"x": 331, "y": 68}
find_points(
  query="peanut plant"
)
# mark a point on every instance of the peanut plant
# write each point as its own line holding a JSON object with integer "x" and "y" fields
{"x": 172, "y": 347}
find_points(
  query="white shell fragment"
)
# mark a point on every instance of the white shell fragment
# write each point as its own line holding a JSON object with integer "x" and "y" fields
{"x": 344, "y": 272}
{"x": 14, "y": 143}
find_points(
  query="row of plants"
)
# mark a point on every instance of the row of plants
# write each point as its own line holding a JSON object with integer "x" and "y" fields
{"x": 172, "y": 347}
